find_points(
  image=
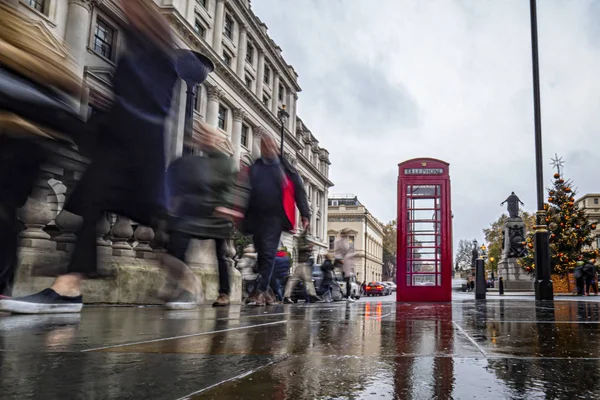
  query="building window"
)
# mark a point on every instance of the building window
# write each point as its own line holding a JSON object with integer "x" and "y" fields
{"x": 222, "y": 118}
{"x": 265, "y": 100}
{"x": 249, "y": 82}
{"x": 198, "y": 92}
{"x": 200, "y": 30}
{"x": 267, "y": 75}
{"x": 229, "y": 26}
{"x": 39, "y": 5}
{"x": 103, "y": 39}
{"x": 244, "y": 140}
{"x": 202, "y": 3}
{"x": 595, "y": 201}
{"x": 227, "y": 58}
{"x": 318, "y": 228}
{"x": 250, "y": 53}
{"x": 331, "y": 242}
{"x": 351, "y": 241}
{"x": 280, "y": 92}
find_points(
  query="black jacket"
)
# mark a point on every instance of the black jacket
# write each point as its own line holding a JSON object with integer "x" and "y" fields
{"x": 196, "y": 186}
{"x": 266, "y": 193}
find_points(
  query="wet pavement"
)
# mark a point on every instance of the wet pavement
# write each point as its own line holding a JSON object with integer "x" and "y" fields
{"x": 495, "y": 349}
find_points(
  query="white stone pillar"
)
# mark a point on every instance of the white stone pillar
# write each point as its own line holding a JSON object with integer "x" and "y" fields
{"x": 218, "y": 29}
{"x": 243, "y": 48}
{"x": 292, "y": 109}
{"x": 275, "y": 99}
{"x": 176, "y": 123}
{"x": 256, "y": 136}
{"x": 77, "y": 30}
{"x": 236, "y": 135}
{"x": 315, "y": 206}
{"x": 260, "y": 72}
{"x": 212, "y": 108}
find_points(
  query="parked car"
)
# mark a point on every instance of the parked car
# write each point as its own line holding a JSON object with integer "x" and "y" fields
{"x": 391, "y": 285}
{"x": 354, "y": 287}
{"x": 459, "y": 285}
{"x": 332, "y": 293}
{"x": 376, "y": 289}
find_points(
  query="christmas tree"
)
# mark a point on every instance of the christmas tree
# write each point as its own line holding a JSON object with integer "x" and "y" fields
{"x": 571, "y": 233}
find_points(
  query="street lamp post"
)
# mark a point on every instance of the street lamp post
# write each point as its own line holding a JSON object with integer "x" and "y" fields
{"x": 283, "y": 116}
{"x": 543, "y": 283}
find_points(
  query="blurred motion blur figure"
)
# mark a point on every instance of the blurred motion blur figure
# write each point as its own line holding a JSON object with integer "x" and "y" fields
{"x": 344, "y": 255}
{"x": 36, "y": 80}
{"x": 200, "y": 191}
{"x": 266, "y": 216}
{"x": 126, "y": 175}
{"x": 303, "y": 271}
{"x": 281, "y": 270}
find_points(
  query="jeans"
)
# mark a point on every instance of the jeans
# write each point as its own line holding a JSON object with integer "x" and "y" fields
{"x": 178, "y": 245}
{"x": 590, "y": 283}
{"x": 266, "y": 240}
{"x": 278, "y": 285}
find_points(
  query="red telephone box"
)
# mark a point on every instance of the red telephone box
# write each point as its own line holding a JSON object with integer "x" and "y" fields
{"x": 424, "y": 231}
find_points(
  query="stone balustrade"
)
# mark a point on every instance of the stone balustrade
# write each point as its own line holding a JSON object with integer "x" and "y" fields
{"x": 129, "y": 254}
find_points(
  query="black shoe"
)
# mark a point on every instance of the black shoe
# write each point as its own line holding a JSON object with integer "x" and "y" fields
{"x": 287, "y": 300}
{"x": 45, "y": 302}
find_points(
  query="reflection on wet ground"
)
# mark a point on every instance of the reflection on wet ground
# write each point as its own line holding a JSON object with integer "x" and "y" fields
{"x": 511, "y": 349}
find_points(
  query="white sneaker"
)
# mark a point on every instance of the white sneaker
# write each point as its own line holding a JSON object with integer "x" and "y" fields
{"x": 350, "y": 300}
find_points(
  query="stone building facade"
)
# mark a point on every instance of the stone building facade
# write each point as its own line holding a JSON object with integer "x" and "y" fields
{"x": 365, "y": 235}
{"x": 250, "y": 83}
{"x": 590, "y": 203}
{"x": 242, "y": 96}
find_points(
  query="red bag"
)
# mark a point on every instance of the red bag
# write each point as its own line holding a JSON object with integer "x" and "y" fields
{"x": 289, "y": 200}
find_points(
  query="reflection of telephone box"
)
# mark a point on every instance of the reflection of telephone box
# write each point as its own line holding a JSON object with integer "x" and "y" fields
{"x": 424, "y": 231}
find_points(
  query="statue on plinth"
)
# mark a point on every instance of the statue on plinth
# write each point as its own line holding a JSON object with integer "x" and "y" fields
{"x": 512, "y": 205}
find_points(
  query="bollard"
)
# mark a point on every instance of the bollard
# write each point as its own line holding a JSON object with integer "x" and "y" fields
{"x": 500, "y": 285}
{"x": 480, "y": 286}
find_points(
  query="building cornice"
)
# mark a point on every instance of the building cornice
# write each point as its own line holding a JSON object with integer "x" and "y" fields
{"x": 266, "y": 42}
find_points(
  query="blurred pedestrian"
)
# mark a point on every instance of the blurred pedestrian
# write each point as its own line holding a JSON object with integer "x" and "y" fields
{"x": 281, "y": 272}
{"x": 303, "y": 272}
{"x": 275, "y": 187}
{"x": 591, "y": 277}
{"x": 328, "y": 277}
{"x": 126, "y": 175}
{"x": 200, "y": 190}
{"x": 344, "y": 253}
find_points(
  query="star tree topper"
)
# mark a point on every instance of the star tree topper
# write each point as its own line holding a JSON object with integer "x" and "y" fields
{"x": 557, "y": 163}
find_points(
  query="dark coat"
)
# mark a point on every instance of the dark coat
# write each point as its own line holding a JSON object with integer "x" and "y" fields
{"x": 281, "y": 268}
{"x": 126, "y": 175}
{"x": 196, "y": 186}
{"x": 266, "y": 193}
{"x": 327, "y": 268}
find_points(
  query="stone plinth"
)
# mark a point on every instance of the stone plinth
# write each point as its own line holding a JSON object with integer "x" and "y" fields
{"x": 515, "y": 278}
{"x": 122, "y": 280}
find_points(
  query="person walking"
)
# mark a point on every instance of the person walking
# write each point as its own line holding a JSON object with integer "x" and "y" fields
{"x": 303, "y": 272}
{"x": 590, "y": 276}
{"x": 328, "y": 277}
{"x": 126, "y": 175}
{"x": 281, "y": 271}
{"x": 200, "y": 190}
{"x": 344, "y": 253}
{"x": 272, "y": 180}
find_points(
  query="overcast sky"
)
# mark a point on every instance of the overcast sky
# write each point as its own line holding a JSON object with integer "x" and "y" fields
{"x": 388, "y": 80}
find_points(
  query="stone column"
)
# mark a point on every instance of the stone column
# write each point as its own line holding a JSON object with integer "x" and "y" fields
{"x": 256, "y": 135}
{"x": 243, "y": 48}
{"x": 315, "y": 207}
{"x": 260, "y": 74}
{"x": 121, "y": 232}
{"x": 291, "y": 107}
{"x": 68, "y": 222}
{"x": 275, "y": 99}
{"x": 218, "y": 29}
{"x": 176, "y": 123}
{"x": 77, "y": 30}
{"x": 212, "y": 109}
{"x": 36, "y": 214}
{"x": 236, "y": 135}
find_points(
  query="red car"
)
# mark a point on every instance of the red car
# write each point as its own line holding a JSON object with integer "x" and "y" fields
{"x": 375, "y": 289}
